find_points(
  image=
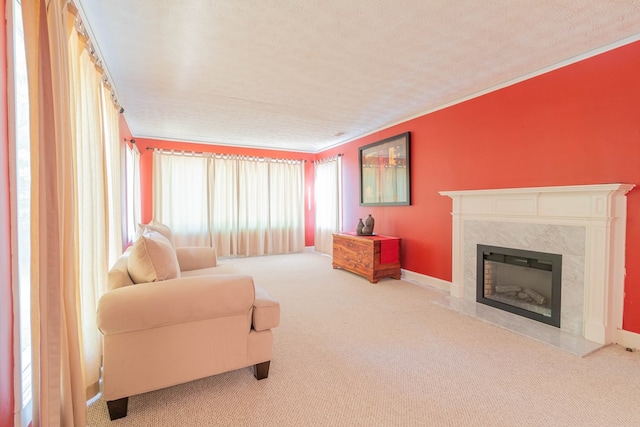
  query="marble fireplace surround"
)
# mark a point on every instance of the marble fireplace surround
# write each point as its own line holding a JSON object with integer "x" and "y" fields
{"x": 586, "y": 224}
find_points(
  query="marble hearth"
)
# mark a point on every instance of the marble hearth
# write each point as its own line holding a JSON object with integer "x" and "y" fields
{"x": 586, "y": 224}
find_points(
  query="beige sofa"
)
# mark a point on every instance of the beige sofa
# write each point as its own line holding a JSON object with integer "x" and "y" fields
{"x": 207, "y": 321}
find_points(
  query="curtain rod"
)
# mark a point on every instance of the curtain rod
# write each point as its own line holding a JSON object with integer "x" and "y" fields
{"x": 220, "y": 155}
{"x": 84, "y": 33}
{"x": 328, "y": 159}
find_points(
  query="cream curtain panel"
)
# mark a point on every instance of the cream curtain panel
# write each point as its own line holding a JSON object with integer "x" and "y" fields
{"x": 286, "y": 207}
{"x": 89, "y": 152}
{"x": 253, "y": 208}
{"x": 133, "y": 191}
{"x": 113, "y": 171}
{"x": 71, "y": 149}
{"x": 328, "y": 202}
{"x": 180, "y": 197}
{"x": 239, "y": 205}
{"x": 223, "y": 205}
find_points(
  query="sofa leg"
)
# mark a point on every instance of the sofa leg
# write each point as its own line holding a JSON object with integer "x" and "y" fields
{"x": 261, "y": 370}
{"x": 118, "y": 408}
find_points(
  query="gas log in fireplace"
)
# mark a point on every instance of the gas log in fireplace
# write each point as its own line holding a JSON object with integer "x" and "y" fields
{"x": 522, "y": 282}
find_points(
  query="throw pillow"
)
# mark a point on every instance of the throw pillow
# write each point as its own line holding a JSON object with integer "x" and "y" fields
{"x": 157, "y": 227}
{"x": 152, "y": 259}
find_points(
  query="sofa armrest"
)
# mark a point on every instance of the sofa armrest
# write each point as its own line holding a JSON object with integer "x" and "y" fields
{"x": 196, "y": 257}
{"x": 151, "y": 305}
{"x": 266, "y": 311}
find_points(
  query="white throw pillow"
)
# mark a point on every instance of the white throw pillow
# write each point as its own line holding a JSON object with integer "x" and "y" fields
{"x": 158, "y": 227}
{"x": 152, "y": 259}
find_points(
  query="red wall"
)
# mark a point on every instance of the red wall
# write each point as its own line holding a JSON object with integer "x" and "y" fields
{"x": 575, "y": 125}
{"x": 6, "y": 295}
{"x": 146, "y": 166}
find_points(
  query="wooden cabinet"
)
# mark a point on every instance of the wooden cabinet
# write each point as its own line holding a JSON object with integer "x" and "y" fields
{"x": 372, "y": 257}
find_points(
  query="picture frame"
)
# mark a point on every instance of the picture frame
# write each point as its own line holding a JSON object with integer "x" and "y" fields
{"x": 385, "y": 172}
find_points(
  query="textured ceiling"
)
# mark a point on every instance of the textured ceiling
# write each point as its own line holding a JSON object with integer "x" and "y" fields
{"x": 307, "y": 75}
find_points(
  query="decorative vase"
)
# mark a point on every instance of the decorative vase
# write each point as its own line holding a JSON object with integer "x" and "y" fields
{"x": 369, "y": 222}
{"x": 359, "y": 227}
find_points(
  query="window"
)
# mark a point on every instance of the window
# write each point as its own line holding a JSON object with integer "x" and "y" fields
{"x": 239, "y": 205}
{"x": 21, "y": 192}
{"x": 328, "y": 198}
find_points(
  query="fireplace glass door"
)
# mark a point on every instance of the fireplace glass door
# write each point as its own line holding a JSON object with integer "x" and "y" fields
{"x": 522, "y": 282}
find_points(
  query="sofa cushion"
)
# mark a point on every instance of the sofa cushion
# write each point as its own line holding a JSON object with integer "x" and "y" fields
{"x": 152, "y": 258}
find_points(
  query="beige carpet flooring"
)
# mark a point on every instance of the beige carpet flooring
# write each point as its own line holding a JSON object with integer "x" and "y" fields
{"x": 350, "y": 353}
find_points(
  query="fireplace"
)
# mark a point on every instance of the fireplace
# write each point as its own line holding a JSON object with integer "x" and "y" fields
{"x": 584, "y": 223}
{"x": 523, "y": 282}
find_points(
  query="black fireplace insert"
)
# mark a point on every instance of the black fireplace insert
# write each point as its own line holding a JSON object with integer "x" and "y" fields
{"x": 522, "y": 282}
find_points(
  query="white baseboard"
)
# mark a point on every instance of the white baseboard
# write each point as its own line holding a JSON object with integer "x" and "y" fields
{"x": 628, "y": 339}
{"x": 424, "y": 280}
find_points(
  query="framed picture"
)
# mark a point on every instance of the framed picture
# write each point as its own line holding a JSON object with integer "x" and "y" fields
{"x": 385, "y": 176}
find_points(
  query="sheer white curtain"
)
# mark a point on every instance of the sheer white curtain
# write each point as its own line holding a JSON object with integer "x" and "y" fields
{"x": 180, "y": 196}
{"x": 223, "y": 205}
{"x": 328, "y": 198}
{"x": 90, "y": 149}
{"x": 253, "y": 207}
{"x": 133, "y": 190}
{"x": 113, "y": 165}
{"x": 239, "y": 205}
{"x": 286, "y": 205}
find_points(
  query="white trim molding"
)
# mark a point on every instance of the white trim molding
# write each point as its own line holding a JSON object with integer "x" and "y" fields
{"x": 424, "y": 280}
{"x": 628, "y": 339}
{"x": 600, "y": 209}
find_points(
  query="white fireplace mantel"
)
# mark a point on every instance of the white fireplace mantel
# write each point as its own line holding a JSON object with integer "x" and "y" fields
{"x": 600, "y": 209}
